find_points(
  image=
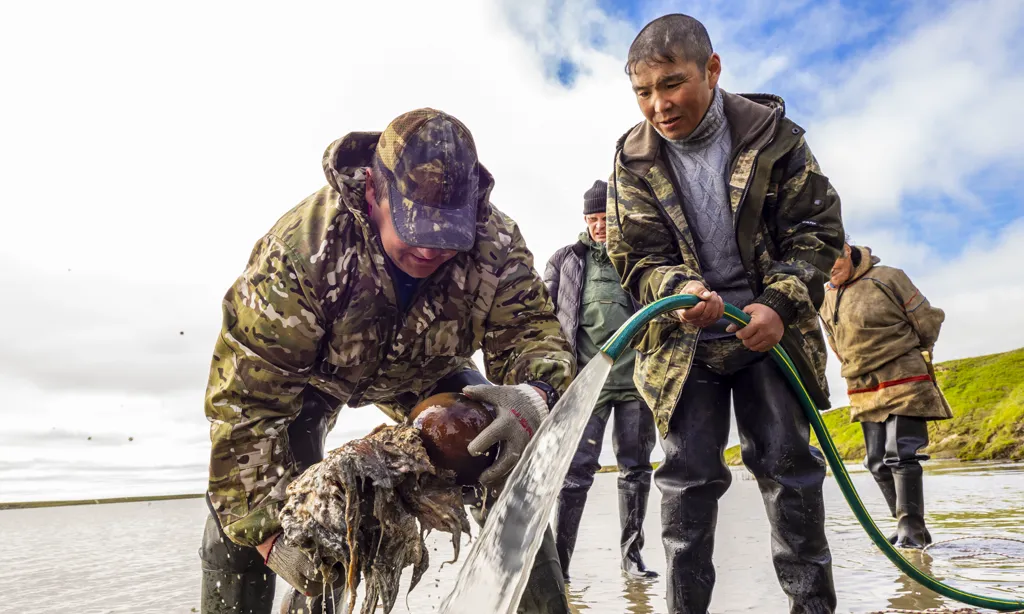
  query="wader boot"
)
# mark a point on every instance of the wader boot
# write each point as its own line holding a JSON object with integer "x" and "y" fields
{"x": 874, "y": 461}
{"x": 774, "y": 442}
{"x": 567, "y": 526}
{"x": 235, "y": 579}
{"x": 545, "y": 588}
{"x": 632, "y": 510}
{"x": 910, "y": 526}
{"x": 904, "y": 437}
{"x": 578, "y": 480}
{"x": 899, "y": 474}
{"x": 633, "y": 437}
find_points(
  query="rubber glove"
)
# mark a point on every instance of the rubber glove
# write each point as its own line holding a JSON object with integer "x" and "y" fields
{"x": 296, "y": 568}
{"x": 519, "y": 411}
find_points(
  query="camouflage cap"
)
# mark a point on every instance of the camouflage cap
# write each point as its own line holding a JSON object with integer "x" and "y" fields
{"x": 430, "y": 166}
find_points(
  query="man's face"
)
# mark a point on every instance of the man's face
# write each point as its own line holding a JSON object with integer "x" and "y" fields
{"x": 842, "y": 269}
{"x": 674, "y": 96}
{"x": 419, "y": 262}
{"x": 595, "y": 224}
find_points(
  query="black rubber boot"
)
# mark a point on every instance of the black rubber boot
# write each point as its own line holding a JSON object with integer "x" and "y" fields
{"x": 234, "y": 578}
{"x": 905, "y": 437}
{"x": 632, "y": 510}
{"x": 578, "y": 480}
{"x": 888, "y": 488}
{"x": 774, "y": 444}
{"x": 633, "y": 438}
{"x": 874, "y": 461}
{"x": 567, "y": 526}
{"x": 692, "y": 478}
{"x": 910, "y": 528}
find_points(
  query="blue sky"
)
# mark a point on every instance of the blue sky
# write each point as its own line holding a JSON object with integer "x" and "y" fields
{"x": 821, "y": 44}
{"x": 138, "y": 181}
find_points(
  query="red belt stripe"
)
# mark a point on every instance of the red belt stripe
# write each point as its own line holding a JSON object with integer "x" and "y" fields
{"x": 895, "y": 382}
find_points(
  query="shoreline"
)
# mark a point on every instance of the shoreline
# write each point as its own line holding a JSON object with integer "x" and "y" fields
{"x": 21, "y": 505}
{"x": 36, "y": 504}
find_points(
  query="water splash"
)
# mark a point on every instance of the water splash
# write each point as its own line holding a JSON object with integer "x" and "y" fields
{"x": 495, "y": 572}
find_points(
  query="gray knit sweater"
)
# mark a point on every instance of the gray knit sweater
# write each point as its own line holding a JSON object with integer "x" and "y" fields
{"x": 700, "y": 162}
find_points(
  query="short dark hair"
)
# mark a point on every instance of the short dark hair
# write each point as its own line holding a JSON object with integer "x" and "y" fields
{"x": 670, "y": 38}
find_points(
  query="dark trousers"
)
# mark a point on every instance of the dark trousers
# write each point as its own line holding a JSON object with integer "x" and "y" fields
{"x": 893, "y": 445}
{"x": 633, "y": 438}
{"x": 774, "y": 438}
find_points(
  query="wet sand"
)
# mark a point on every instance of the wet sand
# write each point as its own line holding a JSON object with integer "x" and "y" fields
{"x": 142, "y": 557}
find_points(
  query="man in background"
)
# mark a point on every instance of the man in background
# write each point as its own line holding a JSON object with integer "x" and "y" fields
{"x": 591, "y": 306}
{"x": 883, "y": 330}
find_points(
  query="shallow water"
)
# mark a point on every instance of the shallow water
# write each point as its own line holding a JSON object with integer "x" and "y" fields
{"x": 142, "y": 557}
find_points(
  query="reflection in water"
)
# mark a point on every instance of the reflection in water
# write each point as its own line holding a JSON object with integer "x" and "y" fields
{"x": 637, "y": 594}
{"x": 637, "y": 597}
{"x": 911, "y": 595}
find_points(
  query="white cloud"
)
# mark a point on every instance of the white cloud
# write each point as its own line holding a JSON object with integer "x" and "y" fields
{"x": 146, "y": 149}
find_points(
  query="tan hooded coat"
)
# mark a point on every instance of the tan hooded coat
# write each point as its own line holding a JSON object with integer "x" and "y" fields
{"x": 879, "y": 324}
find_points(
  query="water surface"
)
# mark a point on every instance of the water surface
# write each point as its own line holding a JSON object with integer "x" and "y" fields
{"x": 143, "y": 557}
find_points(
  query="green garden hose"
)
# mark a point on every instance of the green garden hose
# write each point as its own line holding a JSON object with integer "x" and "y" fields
{"x": 620, "y": 341}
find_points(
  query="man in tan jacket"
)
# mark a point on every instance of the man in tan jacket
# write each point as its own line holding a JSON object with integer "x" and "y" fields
{"x": 884, "y": 330}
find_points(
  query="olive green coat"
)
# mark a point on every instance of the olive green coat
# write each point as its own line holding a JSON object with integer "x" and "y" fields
{"x": 788, "y": 229}
{"x": 878, "y": 324}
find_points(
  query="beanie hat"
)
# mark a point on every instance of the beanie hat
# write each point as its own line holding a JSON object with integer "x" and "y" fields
{"x": 594, "y": 199}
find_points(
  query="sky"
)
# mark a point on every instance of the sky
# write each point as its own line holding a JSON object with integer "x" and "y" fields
{"x": 145, "y": 148}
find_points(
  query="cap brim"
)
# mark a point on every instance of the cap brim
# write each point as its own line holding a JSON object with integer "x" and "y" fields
{"x": 423, "y": 226}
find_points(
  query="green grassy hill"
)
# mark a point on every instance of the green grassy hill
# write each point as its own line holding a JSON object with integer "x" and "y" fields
{"x": 987, "y": 397}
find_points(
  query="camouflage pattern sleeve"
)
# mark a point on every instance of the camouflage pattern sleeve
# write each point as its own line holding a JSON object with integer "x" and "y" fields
{"x": 263, "y": 358}
{"x": 523, "y": 341}
{"x": 641, "y": 244}
{"x": 809, "y": 236}
{"x": 923, "y": 318}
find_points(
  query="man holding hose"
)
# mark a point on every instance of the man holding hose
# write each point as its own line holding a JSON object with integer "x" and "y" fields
{"x": 718, "y": 195}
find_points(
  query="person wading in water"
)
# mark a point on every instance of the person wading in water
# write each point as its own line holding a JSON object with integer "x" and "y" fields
{"x": 591, "y": 306}
{"x": 883, "y": 330}
{"x": 718, "y": 195}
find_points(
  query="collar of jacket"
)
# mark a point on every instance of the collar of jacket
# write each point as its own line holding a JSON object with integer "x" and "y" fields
{"x": 749, "y": 117}
{"x": 580, "y": 249}
{"x": 344, "y": 160}
{"x": 598, "y": 250}
{"x": 867, "y": 261}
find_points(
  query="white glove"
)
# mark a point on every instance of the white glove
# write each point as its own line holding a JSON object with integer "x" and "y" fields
{"x": 295, "y": 567}
{"x": 520, "y": 410}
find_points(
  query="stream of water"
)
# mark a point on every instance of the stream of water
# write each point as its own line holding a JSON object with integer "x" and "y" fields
{"x": 496, "y": 570}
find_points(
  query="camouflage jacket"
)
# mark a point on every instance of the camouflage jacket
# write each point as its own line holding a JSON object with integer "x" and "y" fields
{"x": 788, "y": 228}
{"x": 879, "y": 324}
{"x": 314, "y": 315}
